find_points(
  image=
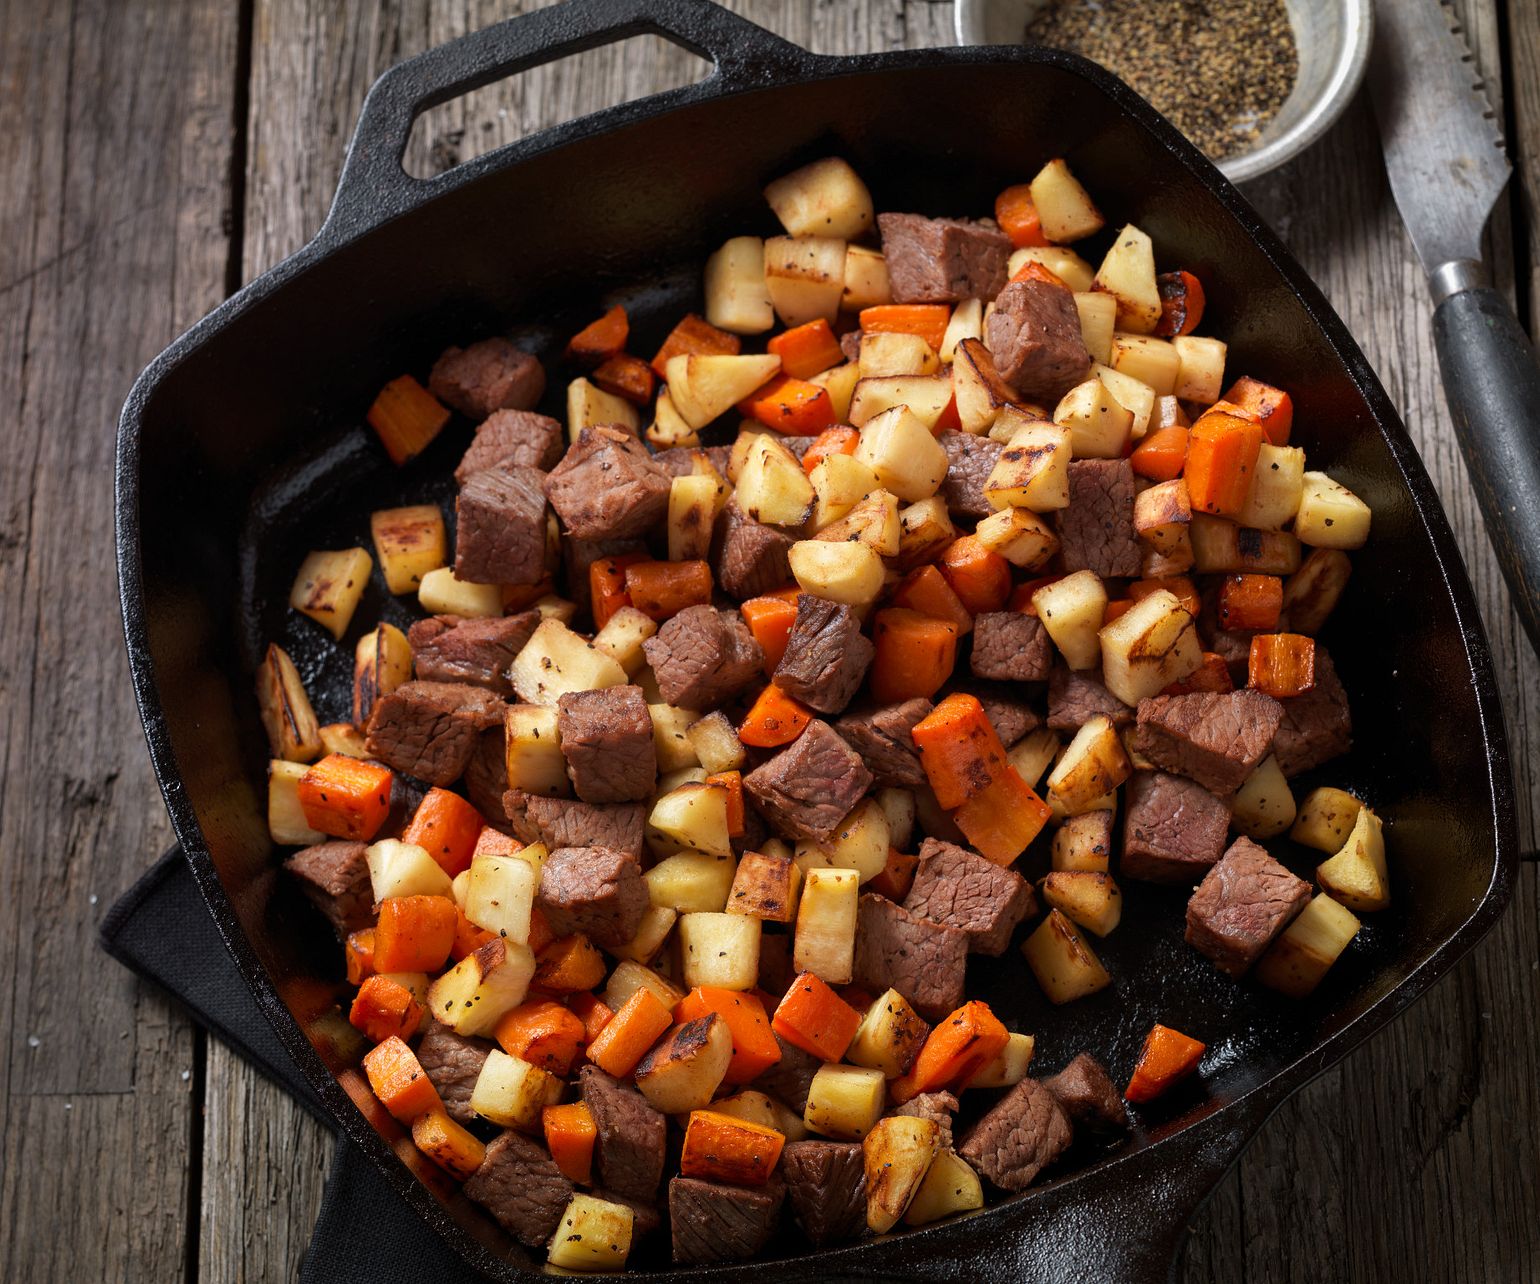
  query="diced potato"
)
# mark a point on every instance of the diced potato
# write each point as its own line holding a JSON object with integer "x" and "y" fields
{"x": 1330, "y": 515}
{"x": 897, "y": 1152}
{"x": 966, "y": 322}
{"x": 1263, "y": 807}
{"x": 1068, "y": 266}
{"x": 657, "y": 923}
{"x": 685, "y": 1068}
{"x": 328, "y": 586}
{"x": 1326, "y": 818}
{"x": 1163, "y": 516}
{"x": 772, "y": 486}
{"x": 691, "y": 882}
{"x": 703, "y": 386}
{"x": 286, "y": 823}
{"x": 716, "y": 743}
{"x": 885, "y": 353}
{"x": 693, "y": 818}
{"x": 556, "y": 608}
{"x": 907, "y": 459}
{"x": 1060, "y": 813}
{"x": 980, "y": 391}
{"x": 924, "y": 529}
{"x": 748, "y": 1105}
{"x": 788, "y": 1122}
{"x": 840, "y": 482}
{"x": 824, "y": 198}
{"x": 1032, "y": 471}
{"x": 1064, "y": 210}
{"x": 532, "y": 750}
{"x": 589, "y": 405}
{"x": 671, "y": 736}
{"x": 766, "y": 886}
{"x": 926, "y": 397}
{"x": 482, "y": 988}
{"x": 622, "y": 636}
{"x": 511, "y": 1092}
{"x": 594, "y": 1235}
{"x": 1304, "y": 952}
{"x": 1201, "y": 374}
{"x": 1357, "y": 875}
{"x": 873, "y": 522}
{"x": 1134, "y": 395}
{"x": 1083, "y": 843}
{"x": 1071, "y": 610}
{"x": 866, "y": 279}
{"x": 1277, "y": 487}
{"x": 1098, "y": 425}
{"x": 844, "y": 1102}
{"x": 1033, "y": 753}
{"x": 692, "y": 510}
{"x": 629, "y": 977}
{"x": 1094, "y": 764}
{"x": 1008, "y": 1066}
{"x": 861, "y": 843}
{"x": 1143, "y": 357}
{"x": 404, "y": 869}
{"x": 737, "y": 298}
{"x": 1098, "y": 319}
{"x": 671, "y": 780}
{"x": 1020, "y": 536}
{"x": 898, "y": 807}
{"x": 851, "y": 573}
{"x": 748, "y": 433}
{"x": 889, "y": 1037}
{"x": 292, "y": 730}
{"x": 344, "y": 738}
{"x": 1086, "y": 898}
{"x": 1148, "y": 647}
{"x": 826, "y": 925}
{"x": 950, "y": 1187}
{"x": 1218, "y": 545}
{"x": 1312, "y": 592}
{"x": 840, "y": 383}
{"x": 409, "y": 542}
{"x": 1128, "y": 274}
{"x": 556, "y": 661}
{"x": 720, "y": 950}
{"x": 442, "y": 594}
{"x": 806, "y": 277}
{"x": 419, "y": 983}
{"x": 459, "y": 886}
{"x": 668, "y": 427}
{"x": 382, "y": 661}
{"x": 1062, "y": 962}
{"x": 501, "y": 894}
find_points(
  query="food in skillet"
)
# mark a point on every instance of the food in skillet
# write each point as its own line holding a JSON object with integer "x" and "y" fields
{"x": 773, "y": 685}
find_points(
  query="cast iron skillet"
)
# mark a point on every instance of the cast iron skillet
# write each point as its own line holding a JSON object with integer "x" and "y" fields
{"x": 241, "y": 446}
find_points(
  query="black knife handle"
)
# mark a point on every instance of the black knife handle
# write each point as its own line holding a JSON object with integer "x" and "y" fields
{"x": 1492, "y": 382}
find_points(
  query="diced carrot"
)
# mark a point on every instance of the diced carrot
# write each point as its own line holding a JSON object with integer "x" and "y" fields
{"x": 925, "y": 589}
{"x": 858, "y": 996}
{"x": 569, "y": 1136}
{"x": 628, "y": 1034}
{"x": 770, "y": 620}
{"x": 754, "y": 1047}
{"x": 915, "y": 654}
{"x": 1161, "y": 455}
{"x": 928, "y": 320}
{"x": 1213, "y": 674}
{"x": 1002, "y": 820}
{"x": 806, "y": 350}
{"x": 1035, "y": 271}
{"x": 399, "y": 1081}
{"x": 542, "y": 1032}
{"x": 1115, "y": 609}
{"x": 959, "y": 749}
{"x": 628, "y": 377}
{"x": 694, "y": 337}
{"x": 1179, "y": 586}
{"x": 359, "y": 953}
{"x": 776, "y": 719}
{"x": 1271, "y": 407}
{"x": 607, "y": 585}
{"x": 896, "y": 877}
{"x": 1016, "y": 213}
{"x": 592, "y": 1011}
{"x": 493, "y": 842}
{"x": 1281, "y": 665}
{"x": 1250, "y": 602}
{"x": 794, "y": 407}
{"x": 571, "y": 963}
{"x": 814, "y": 1018}
{"x": 468, "y": 937}
{"x": 1181, "y": 303}
{"x": 724, "y": 1148}
{"x": 414, "y": 933}
{"x": 660, "y": 590}
{"x": 447, "y": 828}
{"x": 732, "y": 781}
{"x": 383, "y": 1008}
{"x": 406, "y": 417}
{"x": 1222, "y": 454}
{"x": 838, "y": 440}
{"x": 446, "y": 1143}
{"x": 346, "y": 797}
{"x": 540, "y": 934}
{"x": 600, "y": 340}
{"x": 517, "y": 597}
{"x": 1167, "y": 1056}
{"x": 979, "y": 576}
{"x": 954, "y": 1051}
{"x": 1021, "y": 596}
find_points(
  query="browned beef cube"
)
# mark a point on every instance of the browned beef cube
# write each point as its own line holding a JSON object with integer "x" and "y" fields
{"x": 1241, "y": 905}
{"x": 1087, "y": 1094}
{"x": 453, "y": 1064}
{"x": 826, "y": 1183}
{"x": 487, "y": 376}
{"x": 712, "y": 1222}
{"x": 567, "y": 822}
{"x": 938, "y": 1107}
{"x": 680, "y": 461}
{"x": 630, "y": 1136}
{"x": 942, "y": 260}
{"x": 1174, "y": 830}
{"x": 799, "y": 446}
{"x": 703, "y": 657}
{"x": 850, "y": 345}
{"x": 512, "y": 437}
{"x": 1215, "y": 737}
{"x": 1075, "y": 696}
{"x": 406, "y": 797}
{"x": 485, "y": 778}
{"x": 923, "y": 961}
{"x": 790, "y": 1078}
{"x": 970, "y": 460}
{"x": 335, "y": 878}
{"x": 749, "y": 557}
{"x": 1011, "y": 646}
{"x": 446, "y": 648}
{"x": 1024, "y": 1132}
{"x": 607, "y": 486}
{"x": 959, "y": 888}
{"x": 882, "y": 737}
{"x": 501, "y": 537}
{"x": 826, "y": 655}
{"x": 1316, "y": 726}
{"x": 593, "y": 890}
{"x": 1234, "y": 648}
{"x": 1033, "y": 334}
{"x": 606, "y": 737}
{"x": 429, "y": 729}
{"x": 523, "y": 1189}
{"x": 1096, "y": 531}
{"x": 1011, "y": 716}
{"x": 807, "y": 789}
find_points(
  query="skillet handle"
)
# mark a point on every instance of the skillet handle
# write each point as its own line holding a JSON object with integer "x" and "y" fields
{"x": 374, "y": 187}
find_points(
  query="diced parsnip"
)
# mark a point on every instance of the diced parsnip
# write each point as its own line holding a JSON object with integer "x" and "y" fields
{"x": 1134, "y": 395}
{"x": 532, "y": 750}
{"x": 1277, "y": 487}
{"x": 873, "y": 522}
{"x": 1008, "y": 1066}
{"x": 766, "y": 886}
{"x": 772, "y": 486}
{"x": 898, "y": 806}
{"x": 1201, "y": 374}
{"x": 1032, "y": 754}
{"x": 924, "y": 529}
{"x": 1302, "y": 955}
{"x": 594, "y": 1235}
{"x": 671, "y": 736}
{"x": 622, "y": 636}
{"x": 1312, "y": 592}
{"x": 748, "y": 1105}
{"x": 1071, "y": 610}
{"x": 1098, "y": 319}
{"x": 1020, "y": 536}
{"x": 748, "y": 432}
{"x": 889, "y": 353}
{"x": 926, "y": 397}
{"x": 825, "y": 940}
{"x": 851, "y": 573}
{"x": 691, "y": 883}
{"x": 693, "y": 818}
{"x": 806, "y": 277}
{"x": 736, "y": 296}
{"x": 982, "y": 395}
{"x": 950, "y": 1187}
{"x": 687, "y": 1065}
{"x": 844, "y": 1102}
{"x": 840, "y": 383}
{"x": 703, "y": 386}
{"x": 823, "y": 198}
{"x": 285, "y": 817}
{"x": 1033, "y": 470}
{"x": 1065, "y": 211}
{"x": 556, "y": 661}
{"x": 409, "y": 543}
{"x": 482, "y": 988}
{"x": 1068, "y": 266}
{"x": 1148, "y": 647}
{"x": 588, "y": 405}
{"x": 1330, "y": 515}
{"x": 897, "y": 1153}
{"x": 1062, "y": 962}
{"x": 404, "y": 869}
{"x": 501, "y": 895}
{"x": 328, "y": 586}
{"x": 966, "y": 322}
{"x": 789, "y": 1123}
{"x": 668, "y": 427}
{"x": 1263, "y": 807}
{"x": 1218, "y": 545}
{"x": 866, "y": 279}
{"x": 1086, "y": 898}
{"x": 1099, "y": 426}
{"x": 628, "y": 978}
{"x": 1326, "y": 818}
{"x": 907, "y": 459}
{"x": 1143, "y": 357}
{"x": 719, "y": 950}
{"x": 889, "y": 1037}
{"x": 344, "y": 738}
{"x": 692, "y": 510}
{"x": 511, "y": 1092}
{"x": 1163, "y": 516}
{"x": 861, "y": 843}
{"x": 1094, "y": 764}
{"x": 657, "y": 923}
{"x": 840, "y": 482}
{"x": 1357, "y": 875}
{"x": 293, "y": 733}
{"x": 382, "y": 661}
{"x": 1128, "y": 274}
{"x": 716, "y": 743}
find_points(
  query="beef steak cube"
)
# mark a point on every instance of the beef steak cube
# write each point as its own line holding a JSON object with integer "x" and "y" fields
{"x": 1024, "y": 1132}
{"x": 712, "y": 1222}
{"x": 958, "y": 888}
{"x": 850, "y": 345}
{"x": 970, "y": 460}
{"x": 1075, "y": 696}
{"x": 1317, "y": 726}
{"x": 749, "y": 557}
{"x": 790, "y": 1078}
{"x": 453, "y": 1064}
{"x": 923, "y": 961}
{"x": 1087, "y": 1094}
{"x": 1011, "y": 646}
{"x": 810, "y": 786}
{"x": 593, "y": 890}
{"x": 630, "y": 1136}
{"x": 512, "y": 437}
{"x": 826, "y": 1183}
{"x": 1011, "y": 716}
{"x": 523, "y": 1189}
{"x": 1033, "y": 334}
{"x": 446, "y": 648}
{"x": 1217, "y": 738}
{"x": 1174, "y": 829}
{"x": 1241, "y": 905}
{"x": 429, "y": 729}
{"x": 606, "y": 737}
{"x": 607, "y": 486}
{"x": 1096, "y": 531}
{"x": 826, "y": 655}
{"x": 485, "y": 778}
{"x": 682, "y": 461}
{"x": 942, "y": 260}
{"x": 487, "y": 376}
{"x": 501, "y": 537}
{"x": 882, "y": 737}
{"x": 938, "y": 1107}
{"x": 335, "y": 878}
{"x": 567, "y": 822}
{"x": 703, "y": 657}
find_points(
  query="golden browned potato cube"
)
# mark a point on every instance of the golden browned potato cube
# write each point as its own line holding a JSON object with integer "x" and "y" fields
{"x": 1303, "y": 953}
{"x": 1312, "y": 592}
{"x": 1094, "y": 764}
{"x": 292, "y": 730}
{"x": 382, "y": 661}
{"x": 1326, "y": 818}
{"x": 1149, "y": 647}
{"x": 1062, "y": 962}
{"x": 329, "y": 585}
{"x": 897, "y": 1153}
{"x": 1087, "y": 898}
{"x": 1128, "y": 274}
{"x": 409, "y": 542}
{"x": 1357, "y": 875}
{"x": 765, "y": 887}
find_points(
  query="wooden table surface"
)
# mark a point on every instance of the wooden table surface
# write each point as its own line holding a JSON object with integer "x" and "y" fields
{"x": 154, "y": 156}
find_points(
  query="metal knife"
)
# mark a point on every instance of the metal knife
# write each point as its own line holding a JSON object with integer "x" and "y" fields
{"x": 1444, "y": 154}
